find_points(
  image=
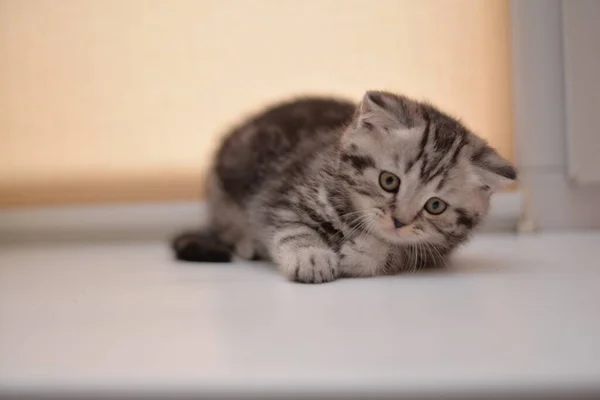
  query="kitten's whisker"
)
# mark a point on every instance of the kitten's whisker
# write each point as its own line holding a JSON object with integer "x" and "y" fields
{"x": 408, "y": 256}
{"x": 442, "y": 258}
{"x": 413, "y": 255}
{"x": 362, "y": 221}
{"x": 423, "y": 262}
{"x": 419, "y": 258}
{"x": 420, "y": 263}
{"x": 439, "y": 256}
{"x": 429, "y": 251}
{"x": 367, "y": 210}
{"x": 413, "y": 265}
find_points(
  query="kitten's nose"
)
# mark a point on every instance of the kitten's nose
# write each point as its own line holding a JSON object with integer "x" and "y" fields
{"x": 397, "y": 223}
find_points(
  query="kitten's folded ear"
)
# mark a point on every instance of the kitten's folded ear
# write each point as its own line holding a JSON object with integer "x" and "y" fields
{"x": 385, "y": 110}
{"x": 495, "y": 171}
{"x": 374, "y": 101}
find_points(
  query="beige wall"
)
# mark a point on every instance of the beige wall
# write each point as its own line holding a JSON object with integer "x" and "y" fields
{"x": 124, "y": 99}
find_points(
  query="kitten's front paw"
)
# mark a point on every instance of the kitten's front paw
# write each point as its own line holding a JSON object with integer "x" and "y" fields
{"x": 311, "y": 265}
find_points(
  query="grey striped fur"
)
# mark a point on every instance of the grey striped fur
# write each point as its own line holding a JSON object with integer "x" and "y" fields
{"x": 299, "y": 184}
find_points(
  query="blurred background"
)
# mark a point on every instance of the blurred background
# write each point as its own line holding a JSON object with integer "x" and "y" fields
{"x": 120, "y": 101}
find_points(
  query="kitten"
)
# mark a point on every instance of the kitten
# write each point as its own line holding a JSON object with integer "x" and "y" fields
{"x": 326, "y": 189}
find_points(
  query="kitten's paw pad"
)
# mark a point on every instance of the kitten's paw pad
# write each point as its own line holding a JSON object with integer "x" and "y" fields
{"x": 315, "y": 265}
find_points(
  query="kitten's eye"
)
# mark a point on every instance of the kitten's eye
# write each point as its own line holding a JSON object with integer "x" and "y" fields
{"x": 435, "y": 206}
{"x": 389, "y": 182}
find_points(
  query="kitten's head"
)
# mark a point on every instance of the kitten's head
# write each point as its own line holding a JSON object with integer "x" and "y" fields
{"x": 415, "y": 174}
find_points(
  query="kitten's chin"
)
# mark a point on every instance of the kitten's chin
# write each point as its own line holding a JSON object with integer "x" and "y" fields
{"x": 398, "y": 236}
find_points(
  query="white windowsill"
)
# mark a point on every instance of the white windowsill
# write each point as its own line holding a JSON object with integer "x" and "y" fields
{"x": 514, "y": 314}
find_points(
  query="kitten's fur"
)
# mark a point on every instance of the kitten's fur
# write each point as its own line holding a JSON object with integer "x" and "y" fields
{"x": 300, "y": 184}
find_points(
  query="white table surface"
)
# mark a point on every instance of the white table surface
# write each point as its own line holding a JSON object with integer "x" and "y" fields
{"x": 511, "y": 314}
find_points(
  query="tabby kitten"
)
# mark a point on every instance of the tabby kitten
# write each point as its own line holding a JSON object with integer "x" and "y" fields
{"x": 326, "y": 189}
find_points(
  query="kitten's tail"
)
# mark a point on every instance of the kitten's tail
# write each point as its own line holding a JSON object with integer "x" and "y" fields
{"x": 203, "y": 246}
